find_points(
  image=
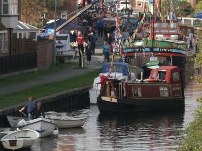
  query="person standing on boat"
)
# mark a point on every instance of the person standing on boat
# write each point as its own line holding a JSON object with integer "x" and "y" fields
{"x": 29, "y": 107}
{"x": 38, "y": 111}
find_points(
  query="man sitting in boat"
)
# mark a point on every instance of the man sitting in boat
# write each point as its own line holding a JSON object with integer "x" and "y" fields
{"x": 29, "y": 108}
{"x": 38, "y": 111}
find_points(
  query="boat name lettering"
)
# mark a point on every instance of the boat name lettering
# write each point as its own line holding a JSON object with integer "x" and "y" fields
{"x": 138, "y": 50}
{"x": 165, "y": 50}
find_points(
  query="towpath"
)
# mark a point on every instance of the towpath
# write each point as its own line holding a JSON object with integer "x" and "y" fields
{"x": 58, "y": 76}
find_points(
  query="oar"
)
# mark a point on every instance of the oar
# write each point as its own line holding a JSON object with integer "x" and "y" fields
{"x": 24, "y": 114}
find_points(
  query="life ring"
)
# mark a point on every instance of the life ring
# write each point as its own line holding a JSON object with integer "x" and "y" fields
{"x": 151, "y": 80}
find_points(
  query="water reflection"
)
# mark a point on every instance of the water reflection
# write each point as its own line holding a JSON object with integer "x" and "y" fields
{"x": 148, "y": 131}
{"x": 156, "y": 131}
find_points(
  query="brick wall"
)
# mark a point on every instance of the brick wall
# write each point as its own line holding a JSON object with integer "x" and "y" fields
{"x": 44, "y": 54}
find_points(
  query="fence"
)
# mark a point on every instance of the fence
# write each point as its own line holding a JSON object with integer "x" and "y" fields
{"x": 22, "y": 56}
{"x": 190, "y": 21}
{"x": 18, "y": 62}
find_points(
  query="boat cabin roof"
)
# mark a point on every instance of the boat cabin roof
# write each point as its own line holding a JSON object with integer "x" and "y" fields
{"x": 170, "y": 74}
{"x": 117, "y": 67}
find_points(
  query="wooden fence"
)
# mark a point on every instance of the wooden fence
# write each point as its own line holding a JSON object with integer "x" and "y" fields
{"x": 22, "y": 56}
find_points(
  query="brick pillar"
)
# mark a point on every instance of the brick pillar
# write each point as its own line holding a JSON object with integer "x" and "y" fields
{"x": 44, "y": 54}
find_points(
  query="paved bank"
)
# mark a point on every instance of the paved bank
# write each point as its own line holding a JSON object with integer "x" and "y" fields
{"x": 60, "y": 75}
{"x": 54, "y": 77}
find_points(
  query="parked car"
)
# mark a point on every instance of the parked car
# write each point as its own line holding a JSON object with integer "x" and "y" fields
{"x": 199, "y": 15}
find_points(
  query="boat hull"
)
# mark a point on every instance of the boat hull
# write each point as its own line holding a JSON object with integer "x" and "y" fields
{"x": 138, "y": 105}
{"x": 66, "y": 121}
{"x": 13, "y": 120}
{"x": 70, "y": 123}
{"x": 20, "y": 139}
{"x": 93, "y": 94}
{"x": 43, "y": 126}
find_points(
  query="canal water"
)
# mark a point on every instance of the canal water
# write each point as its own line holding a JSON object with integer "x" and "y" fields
{"x": 137, "y": 132}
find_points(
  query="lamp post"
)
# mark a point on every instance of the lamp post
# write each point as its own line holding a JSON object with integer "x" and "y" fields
{"x": 54, "y": 48}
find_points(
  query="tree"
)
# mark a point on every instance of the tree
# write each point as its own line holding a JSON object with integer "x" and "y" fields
{"x": 184, "y": 9}
{"x": 198, "y": 58}
{"x": 32, "y": 10}
{"x": 198, "y": 7}
{"x": 181, "y": 8}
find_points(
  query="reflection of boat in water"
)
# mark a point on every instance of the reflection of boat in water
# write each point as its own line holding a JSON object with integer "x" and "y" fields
{"x": 142, "y": 131}
{"x": 72, "y": 131}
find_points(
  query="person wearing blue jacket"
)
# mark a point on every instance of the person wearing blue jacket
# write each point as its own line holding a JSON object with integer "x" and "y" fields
{"x": 29, "y": 107}
{"x": 100, "y": 26}
{"x": 106, "y": 51}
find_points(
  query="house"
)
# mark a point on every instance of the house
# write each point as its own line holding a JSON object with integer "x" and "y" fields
{"x": 3, "y": 40}
{"x": 24, "y": 30}
{"x": 11, "y": 27}
{"x": 15, "y": 54}
{"x": 9, "y": 19}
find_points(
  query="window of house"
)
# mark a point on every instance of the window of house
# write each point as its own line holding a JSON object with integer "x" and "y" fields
{"x": 10, "y": 7}
{"x": 15, "y": 35}
{"x": 32, "y": 35}
{"x": 3, "y": 42}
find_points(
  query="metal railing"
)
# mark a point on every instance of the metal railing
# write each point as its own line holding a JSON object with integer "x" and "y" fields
{"x": 190, "y": 21}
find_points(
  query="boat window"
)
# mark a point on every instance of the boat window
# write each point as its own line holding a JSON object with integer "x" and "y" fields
{"x": 176, "y": 76}
{"x": 161, "y": 75}
{"x": 116, "y": 68}
{"x": 164, "y": 25}
{"x": 136, "y": 91}
{"x": 164, "y": 92}
{"x": 153, "y": 75}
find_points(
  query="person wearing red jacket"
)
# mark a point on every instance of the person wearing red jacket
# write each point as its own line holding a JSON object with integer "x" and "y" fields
{"x": 80, "y": 42}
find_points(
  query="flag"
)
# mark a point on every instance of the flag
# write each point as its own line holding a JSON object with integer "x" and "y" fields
{"x": 150, "y": 6}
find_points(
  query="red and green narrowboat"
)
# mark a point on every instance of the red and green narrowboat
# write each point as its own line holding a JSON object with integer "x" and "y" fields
{"x": 162, "y": 90}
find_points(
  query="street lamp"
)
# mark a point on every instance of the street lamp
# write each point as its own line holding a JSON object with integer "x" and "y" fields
{"x": 54, "y": 48}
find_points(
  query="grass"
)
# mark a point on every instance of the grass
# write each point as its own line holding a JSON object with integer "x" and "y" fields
{"x": 47, "y": 89}
{"x": 193, "y": 138}
{"x": 6, "y": 81}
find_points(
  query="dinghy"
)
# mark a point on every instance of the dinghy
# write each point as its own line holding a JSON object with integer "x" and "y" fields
{"x": 43, "y": 126}
{"x": 13, "y": 120}
{"x": 67, "y": 121}
{"x": 25, "y": 138}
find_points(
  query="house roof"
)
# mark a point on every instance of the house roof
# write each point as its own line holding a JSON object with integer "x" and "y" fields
{"x": 25, "y": 26}
{"x": 59, "y": 22}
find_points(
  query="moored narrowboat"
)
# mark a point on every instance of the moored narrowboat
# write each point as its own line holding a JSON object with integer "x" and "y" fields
{"x": 162, "y": 90}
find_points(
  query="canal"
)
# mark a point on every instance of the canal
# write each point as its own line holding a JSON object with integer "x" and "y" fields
{"x": 141, "y": 132}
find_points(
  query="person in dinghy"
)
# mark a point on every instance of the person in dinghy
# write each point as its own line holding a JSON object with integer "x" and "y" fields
{"x": 38, "y": 111}
{"x": 29, "y": 107}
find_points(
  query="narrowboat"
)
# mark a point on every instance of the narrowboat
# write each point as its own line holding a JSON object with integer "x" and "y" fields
{"x": 120, "y": 70}
{"x": 162, "y": 90}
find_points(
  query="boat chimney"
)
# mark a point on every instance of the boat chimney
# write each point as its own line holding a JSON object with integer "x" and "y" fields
{"x": 141, "y": 76}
